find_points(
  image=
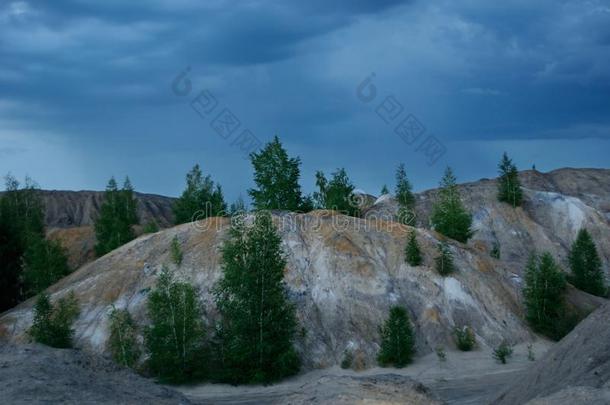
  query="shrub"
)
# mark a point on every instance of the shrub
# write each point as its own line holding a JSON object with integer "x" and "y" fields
{"x": 441, "y": 354}
{"x": 52, "y": 325}
{"x": 503, "y": 352}
{"x": 495, "y": 251}
{"x": 531, "y": 356}
{"x": 465, "y": 339}
{"x": 397, "y": 341}
{"x": 150, "y": 227}
{"x": 444, "y": 261}
{"x": 176, "y": 251}
{"x": 412, "y": 251}
{"x": 122, "y": 343}
{"x": 348, "y": 359}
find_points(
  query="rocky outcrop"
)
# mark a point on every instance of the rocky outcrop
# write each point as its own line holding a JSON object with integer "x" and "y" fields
{"x": 576, "y": 370}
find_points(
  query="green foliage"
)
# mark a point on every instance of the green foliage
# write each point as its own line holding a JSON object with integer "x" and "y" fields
{"x": 444, "y": 261}
{"x": 405, "y": 197}
{"x": 238, "y": 207}
{"x": 277, "y": 179}
{"x": 413, "y": 252}
{"x": 255, "y": 338}
{"x": 544, "y": 296}
{"x": 118, "y": 214}
{"x": 174, "y": 341}
{"x": 465, "y": 339}
{"x": 307, "y": 204}
{"x": 123, "y": 340}
{"x": 21, "y": 221}
{"x": 336, "y": 193}
{"x": 384, "y": 190}
{"x": 441, "y": 354}
{"x": 44, "y": 263}
{"x": 52, "y": 325}
{"x": 348, "y": 359}
{"x": 176, "y": 252}
{"x": 397, "y": 341}
{"x": 200, "y": 200}
{"x": 495, "y": 251}
{"x": 503, "y": 352}
{"x": 509, "y": 186}
{"x": 531, "y": 356}
{"x": 586, "y": 266}
{"x": 449, "y": 216}
{"x": 150, "y": 227}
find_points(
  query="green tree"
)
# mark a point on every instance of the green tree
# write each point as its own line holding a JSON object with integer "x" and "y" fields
{"x": 413, "y": 252}
{"x": 465, "y": 339}
{"x": 174, "y": 341}
{"x": 52, "y": 325}
{"x": 586, "y": 266}
{"x": 509, "y": 186}
{"x": 44, "y": 263}
{"x": 118, "y": 215}
{"x": 21, "y": 222}
{"x": 544, "y": 295}
{"x": 201, "y": 199}
{"x": 238, "y": 207}
{"x": 255, "y": 337}
{"x": 336, "y": 194}
{"x": 150, "y": 227}
{"x": 176, "y": 252}
{"x": 277, "y": 179}
{"x": 123, "y": 342}
{"x": 384, "y": 190}
{"x": 444, "y": 260}
{"x": 405, "y": 197}
{"x": 449, "y": 216}
{"x": 397, "y": 341}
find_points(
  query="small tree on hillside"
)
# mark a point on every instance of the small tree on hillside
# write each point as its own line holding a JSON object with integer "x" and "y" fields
{"x": 277, "y": 179}
{"x": 118, "y": 215}
{"x": 405, "y": 197}
{"x": 255, "y": 338}
{"x": 44, "y": 263}
{"x": 52, "y": 325}
{"x": 449, "y": 216}
{"x": 413, "y": 253}
{"x": 444, "y": 260}
{"x": 176, "y": 251}
{"x": 123, "y": 341}
{"x": 201, "y": 199}
{"x": 586, "y": 265}
{"x": 336, "y": 193}
{"x": 509, "y": 186}
{"x": 174, "y": 340}
{"x": 384, "y": 190}
{"x": 397, "y": 341}
{"x": 544, "y": 295}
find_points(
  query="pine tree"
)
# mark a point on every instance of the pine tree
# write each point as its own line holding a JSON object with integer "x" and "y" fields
{"x": 174, "y": 341}
{"x": 384, "y": 190}
{"x": 118, "y": 215}
{"x": 397, "y": 341}
{"x": 586, "y": 266}
{"x": 201, "y": 199}
{"x": 238, "y": 207}
{"x": 509, "y": 186}
{"x": 277, "y": 179}
{"x": 405, "y": 197}
{"x": 52, "y": 325}
{"x": 449, "y": 216}
{"x": 176, "y": 252}
{"x": 44, "y": 263}
{"x": 336, "y": 194}
{"x": 412, "y": 252}
{"x": 122, "y": 342}
{"x": 255, "y": 338}
{"x": 444, "y": 260}
{"x": 544, "y": 295}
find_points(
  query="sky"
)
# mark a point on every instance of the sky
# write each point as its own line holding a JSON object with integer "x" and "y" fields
{"x": 92, "y": 89}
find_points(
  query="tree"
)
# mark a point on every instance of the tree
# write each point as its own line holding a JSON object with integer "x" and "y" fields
{"x": 397, "y": 341}
{"x": 277, "y": 179}
{"x": 201, "y": 199}
{"x": 503, "y": 352}
{"x": 385, "y": 190}
{"x": 449, "y": 216}
{"x": 238, "y": 207}
{"x": 509, "y": 186}
{"x": 412, "y": 252}
{"x": 336, "y": 194}
{"x": 122, "y": 342}
{"x": 405, "y": 197}
{"x": 52, "y": 325}
{"x": 544, "y": 295}
{"x": 465, "y": 338}
{"x": 444, "y": 260}
{"x": 586, "y": 266}
{"x": 44, "y": 263}
{"x": 174, "y": 340}
{"x": 21, "y": 222}
{"x": 118, "y": 215}
{"x": 176, "y": 252}
{"x": 255, "y": 337}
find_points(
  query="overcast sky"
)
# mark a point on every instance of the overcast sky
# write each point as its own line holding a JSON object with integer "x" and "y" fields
{"x": 89, "y": 89}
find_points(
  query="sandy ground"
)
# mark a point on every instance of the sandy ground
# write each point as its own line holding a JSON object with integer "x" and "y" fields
{"x": 464, "y": 378}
